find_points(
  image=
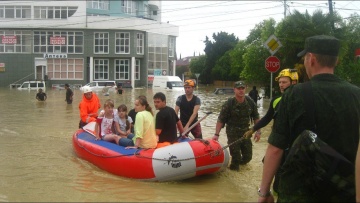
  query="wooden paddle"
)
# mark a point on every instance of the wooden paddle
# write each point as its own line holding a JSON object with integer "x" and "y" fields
{"x": 193, "y": 125}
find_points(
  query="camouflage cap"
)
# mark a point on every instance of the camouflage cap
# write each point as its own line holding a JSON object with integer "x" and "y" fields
{"x": 321, "y": 44}
{"x": 239, "y": 84}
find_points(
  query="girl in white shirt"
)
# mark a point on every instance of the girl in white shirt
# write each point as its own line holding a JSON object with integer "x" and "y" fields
{"x": 104, "y": 123}
{"x": 123, "y": 122}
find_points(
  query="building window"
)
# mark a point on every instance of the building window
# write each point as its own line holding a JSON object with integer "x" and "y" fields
{"x": 98, "y": 4}
{"x": 101, "y": 69}
{"x": 122, "y": 68}
{"x": 172, "y": 46}
{"x": 65, "y": 69}
{"x": 129, "y": 6}
{"x": 18, "y": 41}
{"x": 58, "y": 42}
{"x": 15, "y": 12}
{"x": 122, "y": 43}
{"x": 158, "y": 54}
{"x": 137, "y": 69}
{"x": 101, "y": 43}
{"x": 140, "y": 43}
{"x": 53, "y": 12}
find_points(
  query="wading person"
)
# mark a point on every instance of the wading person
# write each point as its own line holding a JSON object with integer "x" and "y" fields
{"x": 236, "y": 113}
{"x": 336, "y": 105}
{"x": 254, "y": 94}
{"x": 41, "y": 96}
{"x": 189, "y": 105}
{"x": 119, "y": 89}
{"x": 285, "y": 78}
{"x": 69, "y": 94}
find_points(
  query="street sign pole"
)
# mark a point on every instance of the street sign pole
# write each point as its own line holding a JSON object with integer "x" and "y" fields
{"x": 271, "y": 83}
{"x": 273, "y": 45}
{"x": 197, "y": 79}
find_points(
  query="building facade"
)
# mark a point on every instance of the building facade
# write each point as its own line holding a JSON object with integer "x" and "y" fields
{"x": 77, "y": 42}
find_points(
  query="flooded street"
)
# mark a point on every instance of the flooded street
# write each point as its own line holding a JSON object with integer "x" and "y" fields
{"x": 38, "y": 164}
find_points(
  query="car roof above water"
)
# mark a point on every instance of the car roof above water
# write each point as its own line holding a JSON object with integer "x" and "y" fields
{"x": 224, "y": 90}
{"x": 32, "y": 85}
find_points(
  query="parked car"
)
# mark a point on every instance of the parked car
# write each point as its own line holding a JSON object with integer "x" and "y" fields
{"x": 224, "y": 90}
{"x": 99, "y": 85}
{"x": 32, "y": 85}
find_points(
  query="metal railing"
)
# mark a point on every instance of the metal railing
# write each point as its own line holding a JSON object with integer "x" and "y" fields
{"x": 16, "y": 83}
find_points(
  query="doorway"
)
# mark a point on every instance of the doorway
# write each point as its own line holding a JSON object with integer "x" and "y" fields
{"x": 40, "y": 73}
{"x": 40, "y": 69}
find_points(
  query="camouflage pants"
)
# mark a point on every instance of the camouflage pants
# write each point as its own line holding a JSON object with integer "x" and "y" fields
{"x": 241, "y": 152}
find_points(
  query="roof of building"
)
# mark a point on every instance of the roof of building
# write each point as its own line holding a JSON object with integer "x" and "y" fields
{"x": 185, "y": 61}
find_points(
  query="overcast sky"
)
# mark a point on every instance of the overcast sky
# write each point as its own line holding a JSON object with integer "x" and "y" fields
{"x": 198, "y": 19}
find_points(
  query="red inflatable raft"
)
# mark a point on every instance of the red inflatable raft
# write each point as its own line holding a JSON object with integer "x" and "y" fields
{"x": 186, "y": 159}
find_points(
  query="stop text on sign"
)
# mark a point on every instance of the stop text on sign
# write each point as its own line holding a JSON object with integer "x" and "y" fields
{"x": 272, "y": 64}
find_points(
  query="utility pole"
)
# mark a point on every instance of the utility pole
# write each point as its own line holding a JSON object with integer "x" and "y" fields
{"x": 285, "y": 8}
{"x": 331, "y": 15}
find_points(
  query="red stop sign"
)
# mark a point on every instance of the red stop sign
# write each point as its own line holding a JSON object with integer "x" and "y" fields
{"x": 272, "y": 64}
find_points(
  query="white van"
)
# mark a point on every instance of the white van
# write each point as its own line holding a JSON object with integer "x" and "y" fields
{"x": 99, "y": 85}
{"x": 32, "y": 85}
{"x": 168, "y": 82}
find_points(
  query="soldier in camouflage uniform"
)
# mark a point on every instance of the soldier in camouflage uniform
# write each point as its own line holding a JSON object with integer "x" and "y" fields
{"x": 337, "y": 118}
{"x": 237, "y": 113}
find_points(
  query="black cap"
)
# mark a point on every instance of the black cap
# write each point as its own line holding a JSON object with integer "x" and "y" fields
{"x": 321, "y": 44}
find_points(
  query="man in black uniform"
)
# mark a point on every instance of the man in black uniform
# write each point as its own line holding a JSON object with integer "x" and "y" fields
{"x": 337, "y": 117}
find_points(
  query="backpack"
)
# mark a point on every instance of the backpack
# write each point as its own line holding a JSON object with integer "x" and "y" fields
{"x": 325, "y": 168}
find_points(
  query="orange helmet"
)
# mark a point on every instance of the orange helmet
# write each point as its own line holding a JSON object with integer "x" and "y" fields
{"x": 189, "y": 83}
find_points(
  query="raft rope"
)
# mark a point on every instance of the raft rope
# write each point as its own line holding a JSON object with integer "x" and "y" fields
{"x": 213, "y": 153}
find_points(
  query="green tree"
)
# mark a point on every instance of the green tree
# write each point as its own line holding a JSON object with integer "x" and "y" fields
{"x": 214, "y": 50}
{"x": 294, "y": 29}
{"x": 254, "y": 60}
{"x": 181, "y": 70}
{"x": 197, "y": 65}
{"x": 256, "y": 54}
{"x": 236, "y": 60}
{"x": 222, "y": 68}
{"x": 349, "y": 66}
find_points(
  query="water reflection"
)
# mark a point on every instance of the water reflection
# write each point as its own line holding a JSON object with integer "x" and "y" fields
{"x": 37, "y": 162}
